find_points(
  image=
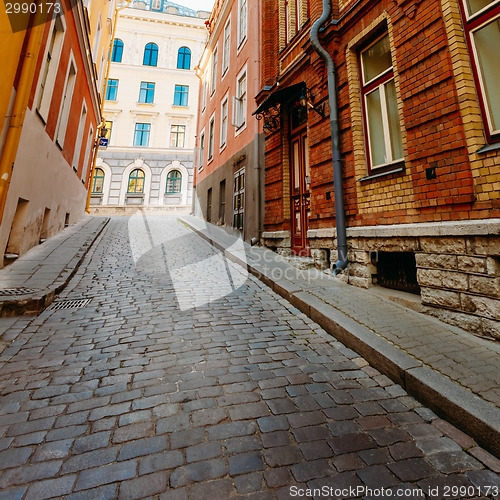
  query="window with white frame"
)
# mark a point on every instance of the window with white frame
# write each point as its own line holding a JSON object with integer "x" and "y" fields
{"x": 49, "y": 69}
{"x": 482, "y": 28}
{"x": 242, "y": 21}
{"x": 67, "y": 98}
{"x": 79, "y": 137}
{"x": 177, "y": 136}
{"x": 223, "y": 122}
{"x": 226, "y": 47}
{"x": 141, "y": 134}
{"x": 240, "y": 101}
{"x": 211, "y": 132}
{"x": 384, "y": 144}
{"x": 213, "y": 77}
{"x": 147, "y": 93}
{"x": 204, "y": 93}
{"x": 201, "y": 151}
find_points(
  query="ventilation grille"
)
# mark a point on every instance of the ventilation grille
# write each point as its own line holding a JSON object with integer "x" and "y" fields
{"x": 16, "y": 291}
{"x": 70, "y": 304}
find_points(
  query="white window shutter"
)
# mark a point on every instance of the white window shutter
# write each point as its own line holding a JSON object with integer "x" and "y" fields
{"x": 234, "y": 121}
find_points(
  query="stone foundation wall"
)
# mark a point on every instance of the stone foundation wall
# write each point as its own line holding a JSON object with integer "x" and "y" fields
{"x": 458, "y": 266}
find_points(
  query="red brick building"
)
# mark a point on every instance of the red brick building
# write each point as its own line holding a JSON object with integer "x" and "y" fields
{"x": 229, "y": 178}
{"x": 418, "y": 144}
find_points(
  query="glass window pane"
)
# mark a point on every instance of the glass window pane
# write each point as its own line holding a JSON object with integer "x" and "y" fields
{"x": 375, "y": 128}
{"x": 487, "y": 42}
{"x": 376, "y": 59}
{"x": 394, "y": 124}
{"x": 477, "y": 5}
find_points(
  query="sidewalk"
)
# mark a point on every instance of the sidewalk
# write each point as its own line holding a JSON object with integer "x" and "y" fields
{"x": 454, "y": 373}
{"x": 31, "y": 283}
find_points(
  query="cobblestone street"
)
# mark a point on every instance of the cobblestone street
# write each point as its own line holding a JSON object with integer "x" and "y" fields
{"x": 185, "y": 378}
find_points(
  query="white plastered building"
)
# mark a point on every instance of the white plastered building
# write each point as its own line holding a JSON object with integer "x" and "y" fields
{"x": 151, "y": 105}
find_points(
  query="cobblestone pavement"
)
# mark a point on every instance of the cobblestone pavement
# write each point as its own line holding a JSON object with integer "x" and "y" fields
{"x": 136, "y": 395}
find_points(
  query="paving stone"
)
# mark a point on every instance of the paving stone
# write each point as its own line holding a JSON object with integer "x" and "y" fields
{"x": 224, "y": 431}
{"x": 143, "y": 486}
{"x": 375, "y": 456}
{"x": 90, "y": 478}
{"x": 248, "y": 483}
{"x": 203, "y": 451}
{"x": 53, "y": 450}
{"x": 277, "y": 438}
{"x": 199, "y": 471}
{"x": 313, "y": 469}
{"x": 412, "y": 469}
{"x": 242, "y": 444}
{"x": 29, "y": 473}
{"x": 351, "y": 443}
{"x": 400, "y": 451}
{"x": 348, "y": 462}
{"x": 344, "y": 427}
{"x": 161, "y": 461}
{"x": 377, "y": 477}
{"x": 50, "y": 488}
{"x": 94, "y": 458}
{"x": 316, "y": 433}
{"x": 453, "y": 461}
{"x": 107, "y": 492}
{"x": 245, "y": 463}
{"x": 14, "y": 457}
{"x": 13, "y": 494}
{"x": 388, "y": 436}
{"x": 277, "y": 477}
{"x": 133, "y": 431}
{"x": 269, "y": 424}
{"x": 91, "y": 442}
{"x": 215, "y": 490}
{"x": 283, "y": 455}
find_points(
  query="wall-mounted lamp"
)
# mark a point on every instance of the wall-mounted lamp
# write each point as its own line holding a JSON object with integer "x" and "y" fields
{"x": 307, "y": 100}
{"x": 271, "y": 117}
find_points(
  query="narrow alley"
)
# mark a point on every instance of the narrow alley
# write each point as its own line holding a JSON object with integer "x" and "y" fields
{"x": 183, "y": 377}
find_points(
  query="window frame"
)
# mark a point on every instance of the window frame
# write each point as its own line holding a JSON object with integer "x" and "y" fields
{"x": 142, "y": 132}
{"x": 152, "y": 49}
{"x": 175, "y": 179}
{"x": 146, "y": 93}
{"x": 202, "y": 151}
{"x": 239, "y": 194}
{"x": 224, "y": 119}
{"x": 179, "y": 91}
{"x": 108, "y": 87}
{"x": 184, "y": 55}
{"x": 211, "y": 139}
{"x": 114, "y": 56}
{"x": 176, "y": 134}
{"x": 242, "y": 33}
{"x": 473, "y": 22}
{"x": 226, "y": 47}
{"x": 94, "y": 180}
{"x": 136, "y": 177}
{"x": 213, "y": 72}
{"x": 378, "y": 82}
{"x": 240, "y": 103}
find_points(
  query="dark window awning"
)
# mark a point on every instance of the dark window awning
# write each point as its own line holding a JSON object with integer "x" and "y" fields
{"x": 280, "y": 96}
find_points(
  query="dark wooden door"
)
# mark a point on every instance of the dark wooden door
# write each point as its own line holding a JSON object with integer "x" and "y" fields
{"x": 300, "y": 176}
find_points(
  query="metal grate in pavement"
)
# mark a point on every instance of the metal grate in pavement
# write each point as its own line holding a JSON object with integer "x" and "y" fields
{"x": 70, "y": 304}
{"x": 16, "y": 291}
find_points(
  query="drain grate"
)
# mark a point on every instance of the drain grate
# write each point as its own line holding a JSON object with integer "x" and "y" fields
{"x": 16, "y": 291}
{"x": 70, "y": 304}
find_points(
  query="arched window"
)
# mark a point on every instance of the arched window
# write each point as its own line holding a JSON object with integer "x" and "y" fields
{"x": 174, "y": 181}
{"x": 117, "y": 54}
{"x": 150, "y": 55}
{"x": 136, "y": 181}
{"x": 184, "y": 58}
{"x": 98, "y": 183}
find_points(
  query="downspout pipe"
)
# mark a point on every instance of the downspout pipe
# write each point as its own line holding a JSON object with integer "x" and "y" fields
{"x": 342, "y": 261}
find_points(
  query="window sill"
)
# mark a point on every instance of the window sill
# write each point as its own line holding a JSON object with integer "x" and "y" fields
{"x": 180, "y": 106}
{"x": 396, "y": 170}
{"x": 489, "y": 147}
{"x": 152, "y": 104}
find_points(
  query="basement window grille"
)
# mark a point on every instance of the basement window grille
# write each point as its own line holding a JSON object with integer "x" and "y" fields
{"x": 398, "y": 270}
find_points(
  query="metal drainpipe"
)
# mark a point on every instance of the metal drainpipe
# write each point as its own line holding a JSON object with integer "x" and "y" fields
{"x": 342, "y": 262}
